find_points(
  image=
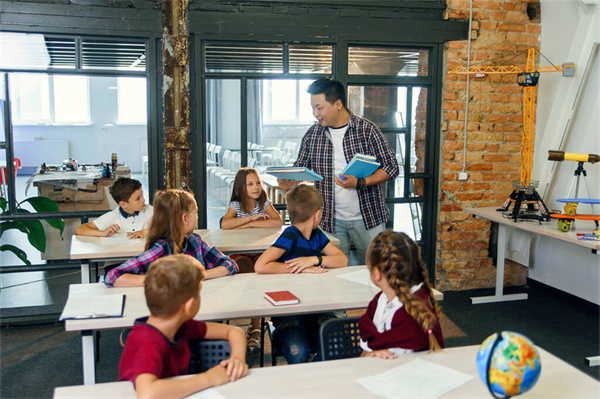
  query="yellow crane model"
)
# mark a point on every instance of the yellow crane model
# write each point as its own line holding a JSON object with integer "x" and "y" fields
{"x": 524, "y": 191}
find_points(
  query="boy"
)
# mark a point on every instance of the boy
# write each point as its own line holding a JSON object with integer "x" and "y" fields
{"x": 133, "y": 215}
{"x": 158, "y": 347}
{"x": 299, "y": 249}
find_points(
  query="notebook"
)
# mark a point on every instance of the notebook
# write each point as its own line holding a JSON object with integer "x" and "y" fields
{"x": 293, "y": 173}
{"x": 279, "y": 298}
{"x": 361, "y": 166}
{"x": 94, "y": 307}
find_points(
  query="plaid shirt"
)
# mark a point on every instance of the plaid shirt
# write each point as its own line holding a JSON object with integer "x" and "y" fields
{"x": 362, "y": 136}
{"x": 193, "y": 245}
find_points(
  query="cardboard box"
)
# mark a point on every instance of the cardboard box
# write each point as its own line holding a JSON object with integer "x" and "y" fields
{"x": 92, "y": 197}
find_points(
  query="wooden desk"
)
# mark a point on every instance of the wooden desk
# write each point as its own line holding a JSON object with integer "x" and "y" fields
{"x": 238, "y": 296}
{"x": 119, "y": 247}
{"x": 338, "y": 379}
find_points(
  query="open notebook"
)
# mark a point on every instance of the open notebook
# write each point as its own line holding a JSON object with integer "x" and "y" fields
{"x": 94, "y": 307}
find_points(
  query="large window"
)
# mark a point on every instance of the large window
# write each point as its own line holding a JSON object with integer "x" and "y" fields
{"x": 50, "y": 99}
{"x": 286, "y": 102}
{"x": 131, "y": 99}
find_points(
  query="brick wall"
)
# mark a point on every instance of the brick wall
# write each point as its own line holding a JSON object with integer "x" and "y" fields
{"x": 501, "y": 28}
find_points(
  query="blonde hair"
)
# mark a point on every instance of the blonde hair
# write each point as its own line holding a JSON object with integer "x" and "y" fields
{"x": 170, "y": 281}
{"x": 303, "y": 201}
{"x": 396, "y": 256}
{"x": 166, "y": 223}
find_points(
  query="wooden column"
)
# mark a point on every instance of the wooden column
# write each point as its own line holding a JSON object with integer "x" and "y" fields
{"x": 176, "y": 94}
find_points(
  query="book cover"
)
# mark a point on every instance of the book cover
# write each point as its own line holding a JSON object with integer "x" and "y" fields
{"x": 279, "y": 298}
{"x": 94, "y": 307}
{"x": 293, "y": 173}
{"x": 361, "y": 166}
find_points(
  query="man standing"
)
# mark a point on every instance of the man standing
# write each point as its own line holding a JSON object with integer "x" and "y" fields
{"x": 353, "y": 209}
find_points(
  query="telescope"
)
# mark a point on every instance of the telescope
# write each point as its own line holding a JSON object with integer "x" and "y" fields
{"x": 560, "y": 156}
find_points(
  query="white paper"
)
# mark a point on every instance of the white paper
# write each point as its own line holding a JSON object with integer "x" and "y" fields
{"x": 210, "y": 393}
{"x": 360, "y": 276}
{"x": 415, "y": 379}
{"x": 93, "y": 306}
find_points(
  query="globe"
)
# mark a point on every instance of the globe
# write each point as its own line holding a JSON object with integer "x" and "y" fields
{"x": 508, "y": 364}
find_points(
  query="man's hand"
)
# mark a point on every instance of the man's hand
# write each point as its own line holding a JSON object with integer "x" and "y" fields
{"x": 297, "y": 265}
{"x": 112, "y": 229}
{"x": 350, "y": 181}
{"x": 287, "y": 184}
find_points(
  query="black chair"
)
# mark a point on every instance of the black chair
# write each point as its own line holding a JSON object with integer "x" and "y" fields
{"x": 340, "y": 338}
{"x": 205, "y": 354}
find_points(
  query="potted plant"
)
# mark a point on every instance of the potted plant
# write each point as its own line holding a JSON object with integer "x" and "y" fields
{"x": 32, "y": 228}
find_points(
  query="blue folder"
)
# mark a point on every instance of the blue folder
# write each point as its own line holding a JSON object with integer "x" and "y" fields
{"x": 361, "y": 166}
{"x": 293, "y": 173}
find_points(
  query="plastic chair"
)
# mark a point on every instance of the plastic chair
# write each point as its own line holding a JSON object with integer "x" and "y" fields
{"x": 340, "y": 338}
{"x": 4, "y": 175}
{"x": 206, "y": 354}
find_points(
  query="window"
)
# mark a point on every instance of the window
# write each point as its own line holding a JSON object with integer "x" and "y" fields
{"x": 286, "y": 102}
{"x": 131, "y": 101}
{"x": 50, "y": 99}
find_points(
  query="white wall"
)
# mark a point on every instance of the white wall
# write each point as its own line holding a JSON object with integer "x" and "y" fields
{"x": 569, "y": 30}
{"x": 95, "y": 143}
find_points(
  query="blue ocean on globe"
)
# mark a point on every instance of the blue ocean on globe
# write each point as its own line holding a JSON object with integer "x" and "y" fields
{"x": 515, "y": 363}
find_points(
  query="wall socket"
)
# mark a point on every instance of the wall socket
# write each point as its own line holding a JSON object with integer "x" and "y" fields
{"x": 462, "y": 176}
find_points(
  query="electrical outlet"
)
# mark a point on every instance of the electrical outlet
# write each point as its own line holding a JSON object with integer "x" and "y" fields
{"x": 462, "y": 176}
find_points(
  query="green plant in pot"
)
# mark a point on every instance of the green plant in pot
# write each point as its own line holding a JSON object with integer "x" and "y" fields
{"x": 32, "y": 228}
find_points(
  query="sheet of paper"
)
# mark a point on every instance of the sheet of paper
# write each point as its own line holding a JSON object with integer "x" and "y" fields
{"x": 210, "y": 393}
{"x": 119, "y": 239}
{"x": 94, "y": 306}
{"x": 415, "y": 379}
{"x": 360, "y": 276}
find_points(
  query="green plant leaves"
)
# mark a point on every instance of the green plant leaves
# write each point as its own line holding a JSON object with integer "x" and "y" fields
{"x": 19, "y": 252}
{"x": 43, "y": 204}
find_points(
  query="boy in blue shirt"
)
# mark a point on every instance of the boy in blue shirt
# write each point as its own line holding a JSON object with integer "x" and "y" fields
{"x": 301, "y": 248}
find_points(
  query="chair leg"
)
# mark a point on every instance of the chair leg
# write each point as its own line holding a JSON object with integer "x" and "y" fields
{"x": 262, "y": 341}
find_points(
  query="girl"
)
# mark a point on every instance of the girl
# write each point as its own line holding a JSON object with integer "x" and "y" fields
{"x": 172, "y": 232}
{"x": 404, "y": 316}
{"x": 249, "y": 207}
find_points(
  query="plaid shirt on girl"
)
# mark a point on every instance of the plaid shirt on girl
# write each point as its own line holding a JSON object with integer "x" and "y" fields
{"x": 362, "y": 136}
{"x": 193, "y": 245}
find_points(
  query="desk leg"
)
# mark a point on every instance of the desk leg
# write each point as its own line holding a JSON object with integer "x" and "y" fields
{"x": 499, "y": 296}
{"x": 85, "y": 272}
{"x": 89, "y": 357}
{"x": 593, "y": 361}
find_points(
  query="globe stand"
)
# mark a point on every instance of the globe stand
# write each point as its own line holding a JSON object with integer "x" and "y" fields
{"x": 524, "y": 193}
{"x": 488, "y": 383}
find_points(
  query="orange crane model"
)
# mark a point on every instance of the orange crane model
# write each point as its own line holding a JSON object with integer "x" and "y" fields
{"x": 525, "y": 188}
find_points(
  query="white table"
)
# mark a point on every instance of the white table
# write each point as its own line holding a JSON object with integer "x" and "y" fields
{"x": 548, "y": 229}
{"x": 338, "y": 379}
{"x": 238, "y": 296}
{"x": 119, "y": 247}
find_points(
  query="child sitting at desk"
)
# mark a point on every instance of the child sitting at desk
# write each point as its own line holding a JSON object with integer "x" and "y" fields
{"x": 131, "y": 216}
{"x": 404, "y": 316}
{"x": 299, "y": 249}
{"x": 172, "y": 232}
{"x": 249, "y": 207}
{"x": 158, "y": 347}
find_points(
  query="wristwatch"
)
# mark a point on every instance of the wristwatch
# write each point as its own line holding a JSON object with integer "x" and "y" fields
{"x": 320, "y": 260}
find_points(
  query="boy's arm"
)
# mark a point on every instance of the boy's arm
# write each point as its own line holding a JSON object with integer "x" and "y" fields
{"x": 268, "y": 264}
{"x": 236, "y": 364}
{"x": 90, "y": 229}
{"x": 334, "y": 257}
{"x": 150, "y": 386}
{"x": 137, "y": 234}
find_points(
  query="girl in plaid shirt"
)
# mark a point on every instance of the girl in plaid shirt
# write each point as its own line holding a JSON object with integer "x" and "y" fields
{"x": 172, "y": 232}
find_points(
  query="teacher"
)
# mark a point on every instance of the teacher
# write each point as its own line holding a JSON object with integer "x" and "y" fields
{"x": 353, "y": 209}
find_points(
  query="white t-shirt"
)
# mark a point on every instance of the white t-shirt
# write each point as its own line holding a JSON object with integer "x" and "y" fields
{"x": 347, "y": 206}
{"x": 133, "y": 223}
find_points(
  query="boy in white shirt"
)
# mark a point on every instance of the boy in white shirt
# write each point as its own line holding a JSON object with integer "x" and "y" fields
{"x": 132, "y": 215}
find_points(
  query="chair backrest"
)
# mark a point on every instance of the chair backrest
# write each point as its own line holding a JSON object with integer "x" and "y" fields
{"x": 340, "y": 338}
{"x": 206, "y": 354}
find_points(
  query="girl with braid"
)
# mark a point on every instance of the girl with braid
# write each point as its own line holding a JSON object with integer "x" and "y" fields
{"x": 404, "y": 316}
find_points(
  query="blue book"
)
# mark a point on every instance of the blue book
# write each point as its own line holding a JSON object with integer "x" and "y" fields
{"x": 293, "y": 173}
{"x": 361, "y": 166}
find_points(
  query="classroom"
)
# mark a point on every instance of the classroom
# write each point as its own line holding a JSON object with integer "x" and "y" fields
{"x": 489, "y": 110}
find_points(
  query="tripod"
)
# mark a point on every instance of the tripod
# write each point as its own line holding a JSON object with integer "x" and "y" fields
{"x": 575, "y": 181}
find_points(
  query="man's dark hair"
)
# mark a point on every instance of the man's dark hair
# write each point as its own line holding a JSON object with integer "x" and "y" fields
{"x": 333, "y": 90}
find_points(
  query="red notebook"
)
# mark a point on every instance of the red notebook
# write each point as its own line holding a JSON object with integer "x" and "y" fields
{"x": 279, "y": 298}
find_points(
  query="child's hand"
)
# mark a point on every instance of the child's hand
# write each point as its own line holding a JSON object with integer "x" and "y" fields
{"x": 314, "y": 270}
{"x": 217, "y": 375}
{"x": 297, "y": 265}
{"x": 382, "y": 353}
{"x": 260, "y": 217}
{"x": 236, "y": 368}
{"x": 136, "y": 234}
{"x": 112, "y": 229}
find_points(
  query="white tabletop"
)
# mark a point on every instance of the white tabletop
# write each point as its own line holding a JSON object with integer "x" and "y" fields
{"x": 548, "y": 229}
{"x": 119, "y": 246}
{"x": 338, "y": 379}
{"x": 241, "y": 296}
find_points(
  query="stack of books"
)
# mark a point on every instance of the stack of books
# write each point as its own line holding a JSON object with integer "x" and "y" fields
{"x": 361, "y": 166}
{"x": 293, "y": 173}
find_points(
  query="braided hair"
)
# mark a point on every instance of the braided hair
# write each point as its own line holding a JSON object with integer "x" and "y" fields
{"x": 396, "y": 256}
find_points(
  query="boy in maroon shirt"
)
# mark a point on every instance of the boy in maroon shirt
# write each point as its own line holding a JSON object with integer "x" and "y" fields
{"x": 158, "y": 347}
